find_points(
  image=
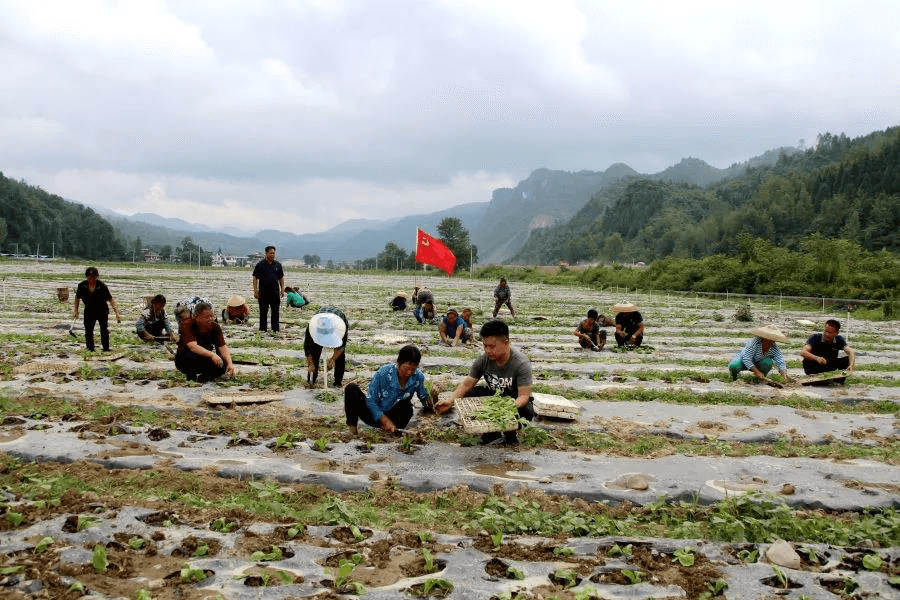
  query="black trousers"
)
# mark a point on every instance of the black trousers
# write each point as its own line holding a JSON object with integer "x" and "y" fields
{"x": 196, "y": 367}
{"x": 310, "y": 348}
{"x": 811, "y": 367}
{"x": 356, "y": 409}
{"x": 621, "y": 337}
{"x": 526, "y": 412}
{"x": 266, "y": 302}
{"x": 90, "y": 319}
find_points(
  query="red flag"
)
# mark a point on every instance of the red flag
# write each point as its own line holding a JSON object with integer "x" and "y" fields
{"x": 432, "y": 251}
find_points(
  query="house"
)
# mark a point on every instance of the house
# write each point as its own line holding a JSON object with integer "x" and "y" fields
{"x": 150, "y": 256}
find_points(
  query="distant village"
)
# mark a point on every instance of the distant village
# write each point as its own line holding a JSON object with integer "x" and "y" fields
{"x": 229, "y": 260}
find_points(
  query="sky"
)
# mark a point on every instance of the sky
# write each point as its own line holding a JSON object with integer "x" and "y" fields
{"x": 300, "y": 115}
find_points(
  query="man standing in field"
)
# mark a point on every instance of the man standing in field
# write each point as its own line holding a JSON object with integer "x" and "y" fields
{"x": 504, "y": 369}
{"x": 268, "y": 288}
{"x": 820, "y": 354}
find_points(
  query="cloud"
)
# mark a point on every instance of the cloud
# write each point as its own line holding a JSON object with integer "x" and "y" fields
{"x": 392, "y": 107}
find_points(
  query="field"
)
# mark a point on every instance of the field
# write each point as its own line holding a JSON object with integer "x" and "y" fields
{"x": 122, "y": 479}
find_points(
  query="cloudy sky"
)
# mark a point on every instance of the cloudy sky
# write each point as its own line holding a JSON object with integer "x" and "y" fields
{"x": 299, "y": 115}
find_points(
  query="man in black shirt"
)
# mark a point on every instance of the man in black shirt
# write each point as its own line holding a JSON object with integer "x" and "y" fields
{"x": 820, "y": 354}
{"x": 268, "y": 288}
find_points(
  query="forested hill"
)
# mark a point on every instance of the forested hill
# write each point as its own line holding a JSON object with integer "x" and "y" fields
{"x": 846, "y": 188}
{"x": 33, "y": 221}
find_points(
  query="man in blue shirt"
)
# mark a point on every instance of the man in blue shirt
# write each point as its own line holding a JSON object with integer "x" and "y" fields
{"x": 268, "y": 288}
{"x": 388, "y": 403}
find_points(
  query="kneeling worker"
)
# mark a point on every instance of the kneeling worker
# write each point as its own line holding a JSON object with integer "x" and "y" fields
{"x": 629, "y": 325}
{"x": 589, "y": 333}
{"x": 327, "y": 328}
{"x": 203, "y": 354}
{"x": 388, "y": 403}
{"x": 820, "y": 354}
{"x": 153, "y": 321}
{"x": 452, "y": 328}
{"x": 504, "y": 369}
{"x": 236, "y": 310}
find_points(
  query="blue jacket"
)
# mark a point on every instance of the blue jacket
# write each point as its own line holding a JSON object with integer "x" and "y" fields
{"x": 385, "y": 391}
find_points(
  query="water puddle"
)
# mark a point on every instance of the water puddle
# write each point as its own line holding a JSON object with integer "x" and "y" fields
{"x": 505, "y": 470}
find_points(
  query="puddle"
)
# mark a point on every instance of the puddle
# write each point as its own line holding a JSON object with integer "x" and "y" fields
{"x": 505, "y": 470}
{"x": 13, "y": 434}
{"x": 635, "y": 482}
{"x": 744, "y": 484}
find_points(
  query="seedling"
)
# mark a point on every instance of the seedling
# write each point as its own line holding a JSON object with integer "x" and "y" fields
{"x": 11, "y": 570}
{"x": 429, "y": 560}
{"x": 356, "y": 533}
{"x": 780, "y": 576}
{"x": 563, "y": 551}
{"x": 566, "y": 577}
{"x": 497, "y": 538}
{"x": 425, "y": 536}
{"x": 850, "y": 586}
{"x": 345, "y": 569}
{"x": 587, "y": 594}
{"x": 617, "y": 550}
{"x": 143, "y": 595}
{"x": 85, "y": 522}
{"x": 43, "y": 545}
{"x": 136, "y": 543}
{"x": 191, "y": 574}
{"x": 717, "y": 587}
{"x": 633, "y": 577}
{"x": 76, "y": 586}
{"x": 811, "y": 554}
{"x": 285, "y": 577}
{"x": 685, "y": 556}
{"x": 14, "y": 518}
{"x": 201, "y": 550}
{"x": 286, "y": 440}
{"x": 432, "y": 584}
{"x": 514, "y": 573}
{"x": 294, "y": 531}
{"x": 749, "y": 556}
{"x": 259, "y": 555}
{"x": 872, "y": 562}
{"x": 321, "y": 444}
{"x": 406, "y": 444}
{"x": 222, "y": 525}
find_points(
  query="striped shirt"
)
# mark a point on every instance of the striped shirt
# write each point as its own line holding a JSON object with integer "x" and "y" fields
{"x": 752, "y": 354}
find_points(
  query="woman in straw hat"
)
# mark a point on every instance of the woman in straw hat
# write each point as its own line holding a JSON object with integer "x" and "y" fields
{"x": 236, "y": 310}
{"x": 629, "y": 324}
{"x": 760, "y": 353}
{"x": 327, "y": 328}
{"x": 399, "y": 301}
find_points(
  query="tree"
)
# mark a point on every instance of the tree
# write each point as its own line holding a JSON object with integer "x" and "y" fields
{"x": 456, "y": 237}
{"x": 392, "y": 258}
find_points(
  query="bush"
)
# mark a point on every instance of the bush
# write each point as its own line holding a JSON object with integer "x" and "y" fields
{"x": 743, "y": 313}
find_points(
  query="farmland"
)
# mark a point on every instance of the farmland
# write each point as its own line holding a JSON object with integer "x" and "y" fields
{"x": 672, "y": 482}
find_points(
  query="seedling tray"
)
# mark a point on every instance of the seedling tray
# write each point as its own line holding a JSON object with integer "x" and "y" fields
{"x": 550, "y": 405}
{"x": 229, "y": 399}
{"x": 468, "y": 407}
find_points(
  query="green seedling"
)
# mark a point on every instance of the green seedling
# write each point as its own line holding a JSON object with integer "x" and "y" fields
{"x": 98, "y": 559}
{"x": 811, "y": 554}
{"x": 12, "y": 570}
{"x": 617, "y": 550}
{"x": 685, "y": 556}
{"x": 587, "y": 593}
{"x": 894, "y": 581}
{"x": 143, "y": 595}
{"x": 201, "y": 550}
{"x": 259, "y": 555}
{"x": 321, "y": 444}
{"x": 345, "y": 569}
{"x": 749, "y": 556}
{"x": 849, "y": 586}
{"x": 429, "y": 560}
{"x": 191, "y": 574}
{"x": 285, "y": 577}
{"x": 425, "y": 536}
{"x": 514, "y": 573}
{"x": 294, "y": 531}
{"x": 497, "y": 538}
{"x": 43, "y": 545}
{"x": 14, "y": 518}
{"x": 222, "y": 525}
{"x": 633, "y": 577}
{"x": 136, "y": 543}
{"x": 265, "y": 579}
{"x": 85, "y": 522}
{"x": 497, "y": 409}
{"x": 563, "y": 551}
{"x": 717, "y": 587}
{"x": 356, "y": 533}
{"x": 76, "y": 586}
{"x": 872, "y": 562}
{"x": 566, "y": 577}
{"x": 406, "y": 444}
{"x": 780, "y": 576}
{"x": 531, "y": 437}
{"x": 436, "y": 584}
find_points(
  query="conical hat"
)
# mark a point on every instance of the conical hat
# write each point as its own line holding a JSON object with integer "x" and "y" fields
{"x": 624, "y": 307}
{"x": 237, "y": 301}
{"x": 400, "y": 294}
{"x": 769, "y": 332}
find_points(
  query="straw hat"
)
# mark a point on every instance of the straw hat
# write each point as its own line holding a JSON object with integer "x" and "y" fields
{"x": 624, "y": 307}
{"x": 400, "y": 294}
{"x": 235, "y": 301}
{"x": 769, "y": 332}
{"x": 327, "y": 329}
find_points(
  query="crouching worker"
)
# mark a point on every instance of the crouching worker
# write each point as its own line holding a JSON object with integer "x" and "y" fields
{"x": 236, "y": 311}
{"x": 388, "y": 403}
{"x": 328, "y": 328}
{"x": 589, "y": 333}
{"x": 504, "y": 369}
{"x": 203, "y": 354}
{"x": 153, "y": 322}
{"x": 760, "y": 354}
{"x": 820, "y": 354}
{"x": 294, "y": 298}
